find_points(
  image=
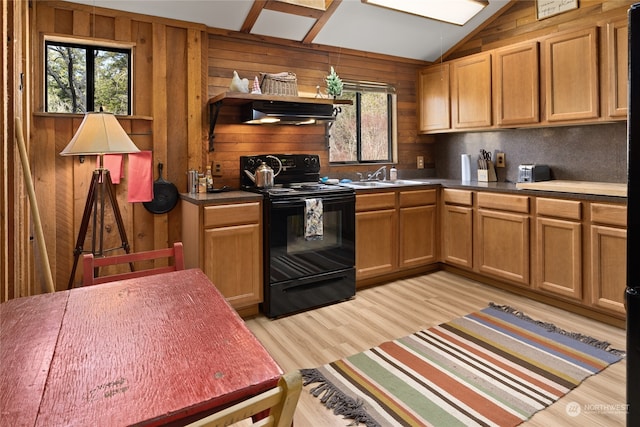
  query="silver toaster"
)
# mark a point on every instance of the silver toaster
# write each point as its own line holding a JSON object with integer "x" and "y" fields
{"x": 533, "y": 173}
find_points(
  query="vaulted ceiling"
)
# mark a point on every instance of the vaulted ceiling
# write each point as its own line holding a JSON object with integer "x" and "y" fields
{"x": 348, "y": 24}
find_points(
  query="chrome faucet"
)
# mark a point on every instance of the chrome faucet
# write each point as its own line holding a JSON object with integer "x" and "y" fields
{"x": 381, "y": 170}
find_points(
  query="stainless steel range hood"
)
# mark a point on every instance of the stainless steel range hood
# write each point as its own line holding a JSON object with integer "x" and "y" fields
{"x": 286, "y": 113}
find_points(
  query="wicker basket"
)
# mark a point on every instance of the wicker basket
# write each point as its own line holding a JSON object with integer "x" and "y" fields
{"x": 285, "y": 84}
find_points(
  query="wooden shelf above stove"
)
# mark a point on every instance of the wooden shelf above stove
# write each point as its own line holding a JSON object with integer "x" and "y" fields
{"x": 239, "y": 98}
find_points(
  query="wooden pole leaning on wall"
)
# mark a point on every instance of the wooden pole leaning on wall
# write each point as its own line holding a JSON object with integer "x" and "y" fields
{"x": 35, "y": 213}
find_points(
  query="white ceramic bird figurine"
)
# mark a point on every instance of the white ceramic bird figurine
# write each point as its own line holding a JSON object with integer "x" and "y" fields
{"x": 239, "y": 85}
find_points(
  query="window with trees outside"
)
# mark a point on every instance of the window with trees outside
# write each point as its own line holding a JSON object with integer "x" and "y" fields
{"x": 83, "y": 78}
{"x": 365, "y": 131}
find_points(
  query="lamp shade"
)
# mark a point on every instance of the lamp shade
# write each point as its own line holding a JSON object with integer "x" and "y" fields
{"x": 99, "y": 133}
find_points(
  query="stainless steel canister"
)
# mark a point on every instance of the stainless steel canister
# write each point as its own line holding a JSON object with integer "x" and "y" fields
{"x": 192, "y": 181}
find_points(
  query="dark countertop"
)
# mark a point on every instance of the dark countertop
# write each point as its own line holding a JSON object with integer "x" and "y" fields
{"x": 497, "y": 187}
{"x": 222, "y": 197}
{"x": 505, "y": 187}
{"x": 510, "y": 187}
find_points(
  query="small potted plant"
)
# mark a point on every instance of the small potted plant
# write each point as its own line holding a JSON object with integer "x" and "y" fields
{"x": 334, "y": 84}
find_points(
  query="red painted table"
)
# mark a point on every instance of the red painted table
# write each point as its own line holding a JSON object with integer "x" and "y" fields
{"x": 148, "y": 351}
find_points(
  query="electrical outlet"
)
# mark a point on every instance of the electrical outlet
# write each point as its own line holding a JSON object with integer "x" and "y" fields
{"x": 500, "y": 160}
{"x": 217, "y": 169}
{"x": 420, "y": 162}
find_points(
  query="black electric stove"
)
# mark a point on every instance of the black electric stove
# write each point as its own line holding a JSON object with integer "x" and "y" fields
{"x": 300, "y": 272}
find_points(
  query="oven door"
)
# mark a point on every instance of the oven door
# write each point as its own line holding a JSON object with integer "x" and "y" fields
{"x": 291, "y": 255}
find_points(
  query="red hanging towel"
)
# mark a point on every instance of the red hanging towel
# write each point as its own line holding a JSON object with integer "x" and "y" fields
{"x": 140, "y": 177}
{"x": 112, "y": 162}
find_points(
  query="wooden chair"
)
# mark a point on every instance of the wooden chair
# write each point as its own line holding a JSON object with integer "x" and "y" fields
{"x": 90, "y": 264}
{"x": 281, "y": 402}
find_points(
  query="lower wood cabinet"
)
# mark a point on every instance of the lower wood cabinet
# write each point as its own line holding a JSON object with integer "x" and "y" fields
{"x": 457, "y": 227}
{"x": 558, "y": 260}
{"x": 376, "y": 242}
{"x": 395, "y": 230}
{"x": 571, "y": 250}
{"x": 225, "y": 241}
{"x": 608, "y": 256}
{"x": 502, "y": 239}
{"x": 417, "y": 228}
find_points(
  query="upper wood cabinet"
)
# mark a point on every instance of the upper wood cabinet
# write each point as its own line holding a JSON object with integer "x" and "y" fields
{"x": 571, "y": 75}
{"x": 471, "y": 91}
{"x": 434, "y": 108}
{"x": 565, "y": 78}
{"x": 617, "y": 68}
{"x": 516, "y": 89}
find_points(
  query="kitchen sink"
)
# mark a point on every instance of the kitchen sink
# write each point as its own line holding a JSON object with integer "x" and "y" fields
{"x": 408, "y": 182}
{"x": 370, "y": 184}
{"x": 384, "y": 184}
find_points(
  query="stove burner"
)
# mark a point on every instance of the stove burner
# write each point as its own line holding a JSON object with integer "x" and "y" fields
{"x": 299, "y": 177}
{"x": 280, "y": 190}
{"x": 311, "y": 186}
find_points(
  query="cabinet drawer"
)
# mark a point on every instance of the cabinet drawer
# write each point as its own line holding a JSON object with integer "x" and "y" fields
{"x": 458, "y": 197}
{"x": 567, "y": 209}
{"x": 370, "y": 202}
{"x": 234, "y": 214}
{"x": 609, "y": 214}
{"x": 417, "y": 198}
{"x": 503, "y": 202}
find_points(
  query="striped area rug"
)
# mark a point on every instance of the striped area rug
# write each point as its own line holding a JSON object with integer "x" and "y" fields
{"x": 495, "y": 367}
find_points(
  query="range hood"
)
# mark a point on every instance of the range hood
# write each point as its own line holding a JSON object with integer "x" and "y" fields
{"x": 286, "y": 113}
{"x": 290, "y": 110}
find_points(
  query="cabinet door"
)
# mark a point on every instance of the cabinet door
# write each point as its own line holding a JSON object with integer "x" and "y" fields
{"x": 376, "y": 243}
{"x": 516, "y": 90}
{"x": 471, "y": 92}
{"x": 457, "y": 235}
{"x": 417, "y": 236}
{"x": 502, "y": 245}
{"x": 233, "y": 262}
{"x": 617, "y": 68}
{"x": 434, "y": 110}
{"x": 571, "y": 75}
{"x": 608, "y": 267}
{"x": 559, "y": 257}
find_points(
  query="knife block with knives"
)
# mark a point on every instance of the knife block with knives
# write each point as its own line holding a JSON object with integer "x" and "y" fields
{"x": 486, "y": 169}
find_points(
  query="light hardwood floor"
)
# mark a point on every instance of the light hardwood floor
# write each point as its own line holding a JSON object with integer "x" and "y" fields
{"x": 396, "y": 309}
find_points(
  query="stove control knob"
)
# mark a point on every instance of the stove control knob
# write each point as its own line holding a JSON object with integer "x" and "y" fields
{"x": 251, "y": 163}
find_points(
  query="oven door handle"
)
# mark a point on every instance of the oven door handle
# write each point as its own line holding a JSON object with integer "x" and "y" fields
{"x": 312, "y": 282}
{"x": 325, "y": 199}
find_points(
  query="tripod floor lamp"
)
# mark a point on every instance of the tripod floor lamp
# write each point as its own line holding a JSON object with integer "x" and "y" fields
{"x": 99, "y": 134}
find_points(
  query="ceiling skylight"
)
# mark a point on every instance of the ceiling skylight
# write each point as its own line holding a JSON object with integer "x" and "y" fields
{"x": 457, "y": 12}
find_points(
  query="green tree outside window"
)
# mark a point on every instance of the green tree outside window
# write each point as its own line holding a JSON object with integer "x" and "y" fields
{"x": 86, "y": 78}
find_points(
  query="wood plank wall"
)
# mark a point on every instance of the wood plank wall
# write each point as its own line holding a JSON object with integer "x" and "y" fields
{"x": 177, "y": 67}
{"x": 519, "y": 23}
{"x": 167, "y": 119}
{"x": 250, "y": 56}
